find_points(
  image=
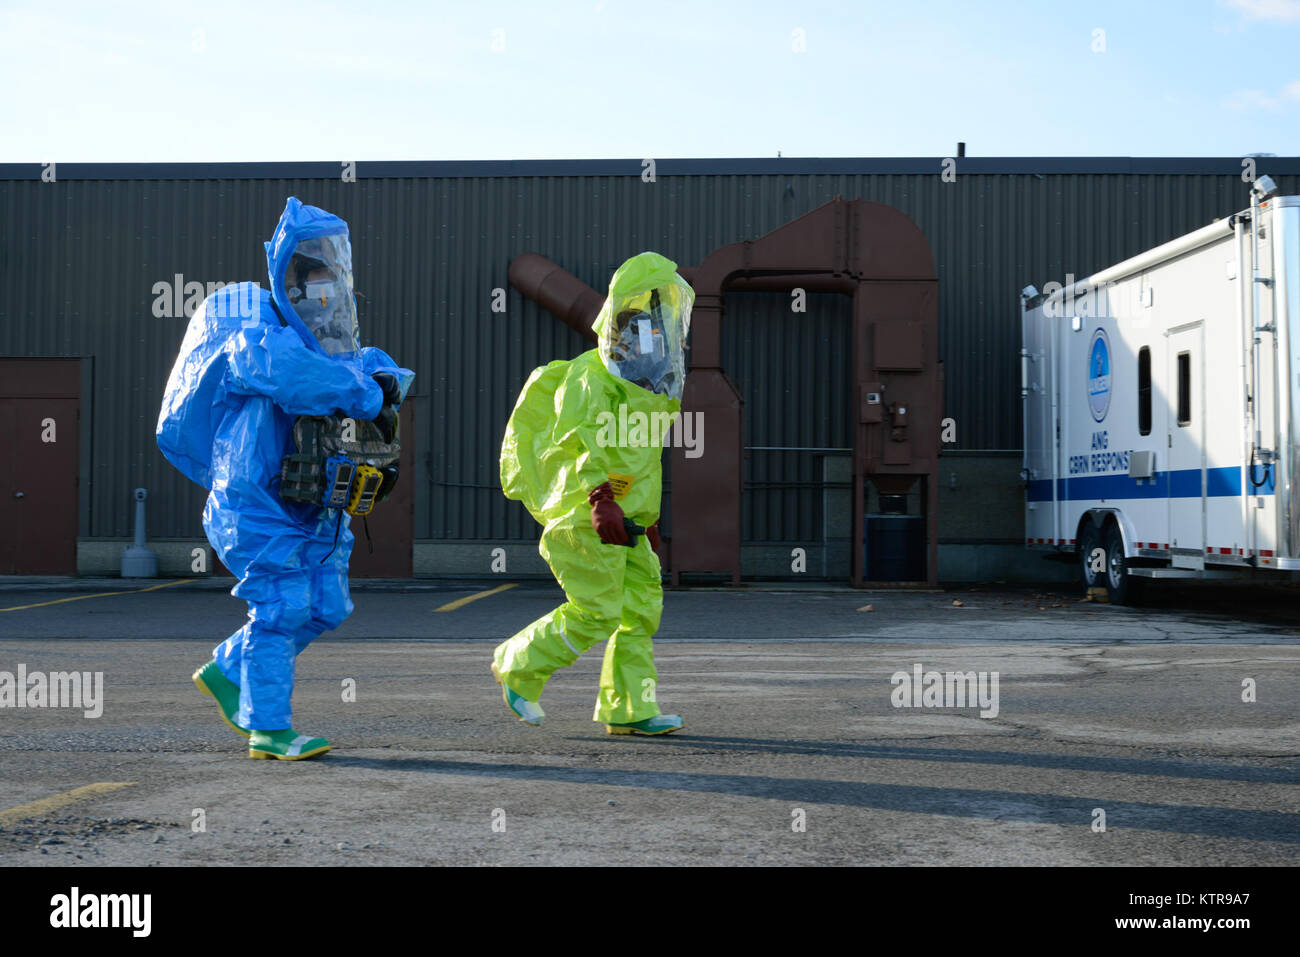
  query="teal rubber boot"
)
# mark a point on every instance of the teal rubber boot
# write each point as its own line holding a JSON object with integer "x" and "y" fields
{"x": 659, "y": 724}
{"x": 286, "y": 745}
{"x": 212, "y": 682}
{"x": 529, "y": 712}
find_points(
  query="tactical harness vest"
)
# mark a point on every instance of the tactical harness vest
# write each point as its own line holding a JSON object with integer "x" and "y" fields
{"x": 339, "y": 463}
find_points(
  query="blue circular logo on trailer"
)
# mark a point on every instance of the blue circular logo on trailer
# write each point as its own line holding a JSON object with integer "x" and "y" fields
{"x": 1099, "y": 375}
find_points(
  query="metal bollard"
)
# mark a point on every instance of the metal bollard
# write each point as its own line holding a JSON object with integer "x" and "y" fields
{"x": 139, "y": 561}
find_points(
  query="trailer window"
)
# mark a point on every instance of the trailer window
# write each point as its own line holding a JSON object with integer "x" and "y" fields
{"x": 1144, "y": 390}
{"x": 1184, "y": 388}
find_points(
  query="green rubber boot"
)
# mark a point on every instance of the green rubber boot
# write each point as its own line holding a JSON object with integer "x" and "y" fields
{"x": 529, "y": 712}
{"x": 211, "y": 681}
{"x": 659, "y": 724}
{"x": 286, "y": 745}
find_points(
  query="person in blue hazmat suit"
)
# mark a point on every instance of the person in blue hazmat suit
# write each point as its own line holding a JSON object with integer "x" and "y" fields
{"x": 251, "y": 363}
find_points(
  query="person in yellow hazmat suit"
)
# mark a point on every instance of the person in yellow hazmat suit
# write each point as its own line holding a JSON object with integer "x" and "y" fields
{"x": 582, "y": 453}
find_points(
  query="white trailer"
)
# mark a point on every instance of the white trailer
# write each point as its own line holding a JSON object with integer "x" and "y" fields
{"x": 1162, "y": 407}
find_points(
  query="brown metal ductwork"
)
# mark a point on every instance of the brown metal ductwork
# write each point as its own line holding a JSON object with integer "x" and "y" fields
{"x": 556, "y": 290}
{"x": 876, "y": 254}
{"x": 867, "y": 250}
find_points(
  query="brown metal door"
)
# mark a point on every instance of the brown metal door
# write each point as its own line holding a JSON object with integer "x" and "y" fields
{"x": 40, "y": 432}
{"x": 392, "y": 525}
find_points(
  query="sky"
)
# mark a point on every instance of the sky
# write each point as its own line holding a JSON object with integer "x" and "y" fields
{"x": 184, "y": 81}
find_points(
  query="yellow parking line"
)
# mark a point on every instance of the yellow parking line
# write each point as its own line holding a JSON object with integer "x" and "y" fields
{"x": 453, "y": 605}
{"x": 56, "y": 801}
{"x": 99, "y": 594}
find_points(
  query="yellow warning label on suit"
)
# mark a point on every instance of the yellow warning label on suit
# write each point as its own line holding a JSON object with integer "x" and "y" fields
{"x": 620, "y": 483}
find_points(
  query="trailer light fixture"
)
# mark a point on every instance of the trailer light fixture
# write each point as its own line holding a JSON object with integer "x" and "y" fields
{"x": 1029, "y": 292}
{"x": 1076, "y": 323}
{"x": 1264, "y": 187}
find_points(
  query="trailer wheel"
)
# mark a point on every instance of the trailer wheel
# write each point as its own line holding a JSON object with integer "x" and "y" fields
{"x": 1121, "y": 587}
{"x": 1089, "y": 541}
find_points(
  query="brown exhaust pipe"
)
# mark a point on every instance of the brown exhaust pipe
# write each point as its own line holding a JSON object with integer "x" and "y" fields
{"x": 557, "y": 291}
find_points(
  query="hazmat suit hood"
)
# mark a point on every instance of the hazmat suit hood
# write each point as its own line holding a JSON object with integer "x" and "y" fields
{"x": 642, "y": 327}
{"x": 309, "y": 262}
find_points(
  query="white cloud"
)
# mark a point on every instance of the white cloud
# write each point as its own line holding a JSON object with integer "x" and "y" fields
{"x": 1246, "y": 101}
{"x": 1286, "y": 11}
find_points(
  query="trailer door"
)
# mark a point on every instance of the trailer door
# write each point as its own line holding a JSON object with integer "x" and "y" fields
{"x": 1185, "y": 390}
{"x": 1038, "y": 403}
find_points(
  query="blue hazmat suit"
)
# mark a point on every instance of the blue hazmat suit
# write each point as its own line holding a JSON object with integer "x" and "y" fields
{"x": 248, "y": 367}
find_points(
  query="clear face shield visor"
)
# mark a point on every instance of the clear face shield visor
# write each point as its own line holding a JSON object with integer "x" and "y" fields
{"x": 646, "y": 341}
{"x": 318, "y": 282}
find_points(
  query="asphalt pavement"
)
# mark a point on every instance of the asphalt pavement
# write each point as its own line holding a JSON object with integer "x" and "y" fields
{"x": 1168, "y": 734}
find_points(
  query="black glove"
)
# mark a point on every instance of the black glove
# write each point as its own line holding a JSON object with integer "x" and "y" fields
{"x": 633, "y": 530}
{"x": 386, "y": 486}
{"x": 388, "y": 382}
{"x": 386, "y": 422}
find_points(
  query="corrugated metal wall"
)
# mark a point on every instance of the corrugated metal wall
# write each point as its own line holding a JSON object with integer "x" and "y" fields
{"x": 80, "y": 257}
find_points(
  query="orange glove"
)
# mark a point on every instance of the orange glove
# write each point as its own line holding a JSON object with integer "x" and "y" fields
{"x": 606, "y": 515}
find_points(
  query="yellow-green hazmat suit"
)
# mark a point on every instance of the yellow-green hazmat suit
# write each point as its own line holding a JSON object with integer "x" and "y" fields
{"x": 580, "y": 423}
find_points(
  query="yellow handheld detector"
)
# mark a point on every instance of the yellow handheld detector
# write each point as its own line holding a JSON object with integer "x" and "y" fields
{"x": 364, "y": 489}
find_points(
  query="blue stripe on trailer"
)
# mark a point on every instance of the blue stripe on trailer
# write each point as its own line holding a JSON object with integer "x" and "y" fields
{"x": 1182, "y": 483}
